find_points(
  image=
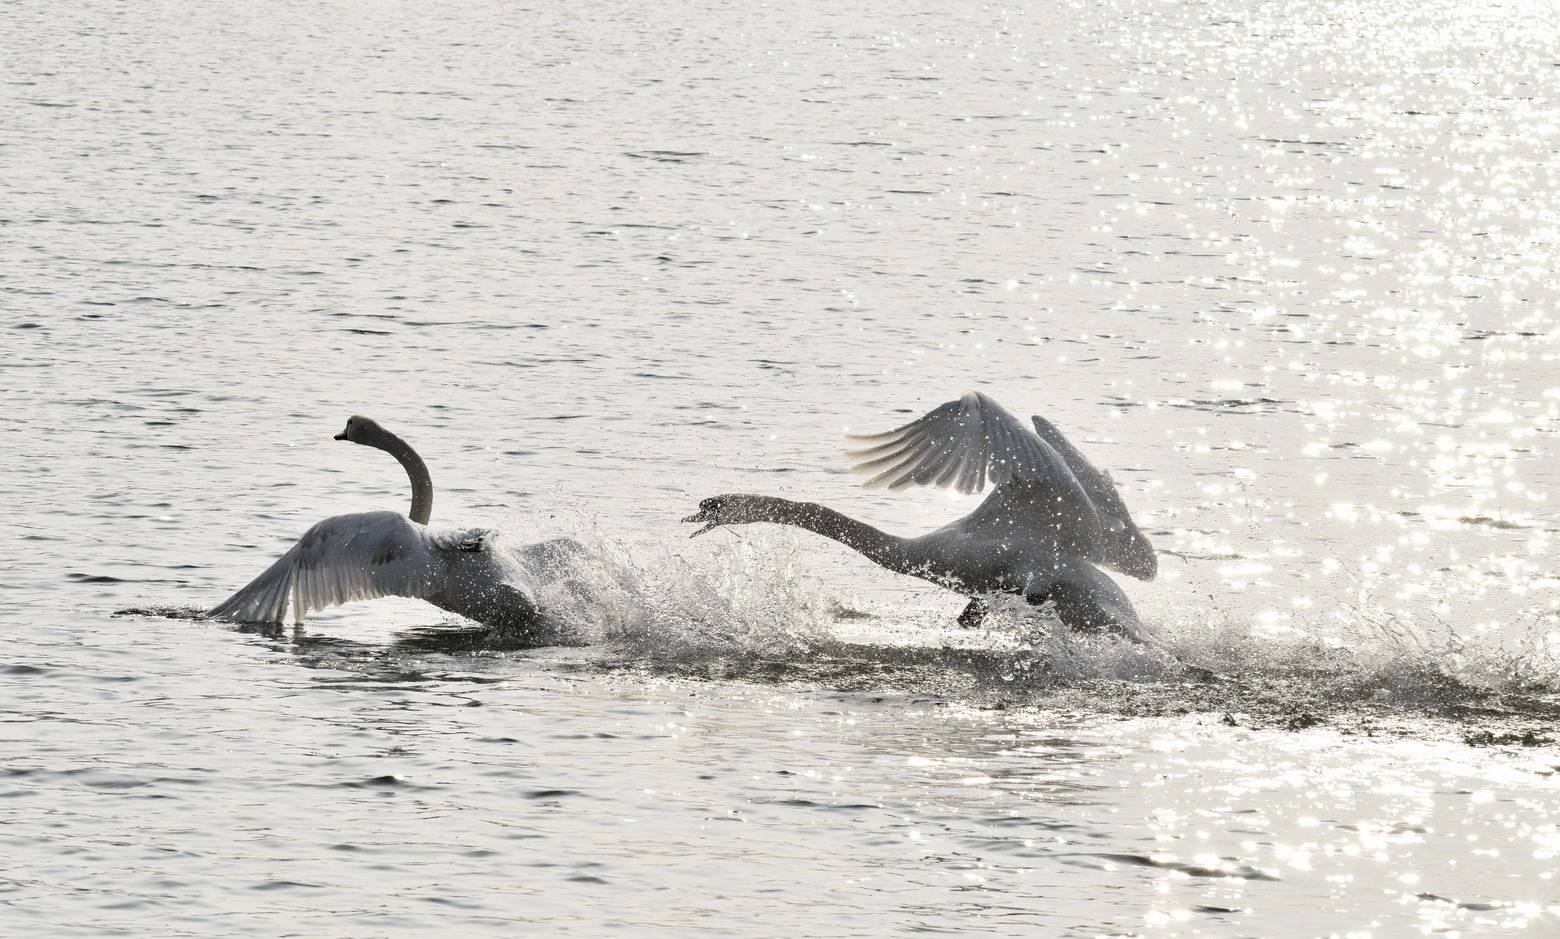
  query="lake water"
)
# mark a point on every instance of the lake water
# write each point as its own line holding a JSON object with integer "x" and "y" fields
{"x": 1288, "y": 270}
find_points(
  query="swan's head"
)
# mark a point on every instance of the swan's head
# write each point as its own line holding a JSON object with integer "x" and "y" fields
{"x": 363, "y": 430}
{"x": 728, "y": 510}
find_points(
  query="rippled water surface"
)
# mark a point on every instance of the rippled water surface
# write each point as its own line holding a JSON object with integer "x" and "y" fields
{"x": 1288, "y": 270}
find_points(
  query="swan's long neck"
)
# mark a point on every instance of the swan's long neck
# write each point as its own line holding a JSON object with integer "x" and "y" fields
{"x": 890, "y": 551}
{"x": 416, "y": 470}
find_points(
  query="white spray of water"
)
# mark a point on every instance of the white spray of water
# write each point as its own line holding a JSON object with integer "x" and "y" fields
{"x": 742, "y": 597}
{"x": 751, "y": 597}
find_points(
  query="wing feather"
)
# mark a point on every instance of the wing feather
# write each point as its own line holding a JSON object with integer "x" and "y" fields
{"x": 1125, "y": 548}
{"x": 874, "y": 463}
{"x": 931, "y": 469}
{"x": 968, "y": 443}
{"x": 347, "y": 557}
{"x": 962, "y": 444}
{"x": 896, "y": 476}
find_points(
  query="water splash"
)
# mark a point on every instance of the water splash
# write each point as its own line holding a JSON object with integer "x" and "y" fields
{"x": 749, "y": 597}
{"x": 749, "y": 611}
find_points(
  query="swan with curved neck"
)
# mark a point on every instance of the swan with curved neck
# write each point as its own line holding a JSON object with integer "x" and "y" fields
{"x": 1051, "y": 521}
{"x": 473, "y": 572}
{"x": 369, "y": 433}
{"x": 890, "y": 551}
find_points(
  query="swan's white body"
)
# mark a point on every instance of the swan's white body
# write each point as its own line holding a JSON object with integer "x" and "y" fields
{"x": 1051, "y": 518}
{"x": 367, "y": 555}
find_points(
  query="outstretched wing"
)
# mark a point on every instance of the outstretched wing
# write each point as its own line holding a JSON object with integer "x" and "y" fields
{"x": 347, "y": 557}
{"x": 962, "y": 444}
{"x": 1124, "y": 547}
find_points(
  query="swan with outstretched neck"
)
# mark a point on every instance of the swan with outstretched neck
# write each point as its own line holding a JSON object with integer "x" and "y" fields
{"x": 473, "y": 572}
{"x": 1051, "y": 522}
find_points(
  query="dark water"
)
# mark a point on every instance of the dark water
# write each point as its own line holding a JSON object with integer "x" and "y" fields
{"x": 1287, "y": 270}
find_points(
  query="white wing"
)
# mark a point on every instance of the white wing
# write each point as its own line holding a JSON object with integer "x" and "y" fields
{"x": 361, "y": 556}
{"x": 961, "y": 445}
{"x": 1124, "y": 546}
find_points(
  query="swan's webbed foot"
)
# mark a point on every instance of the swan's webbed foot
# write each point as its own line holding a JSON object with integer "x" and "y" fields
{"x": 974, "y": 614}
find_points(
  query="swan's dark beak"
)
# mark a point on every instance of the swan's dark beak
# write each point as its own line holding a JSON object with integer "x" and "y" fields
{"x": 701, "y": 516}
{"x": 340, "y": 436}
